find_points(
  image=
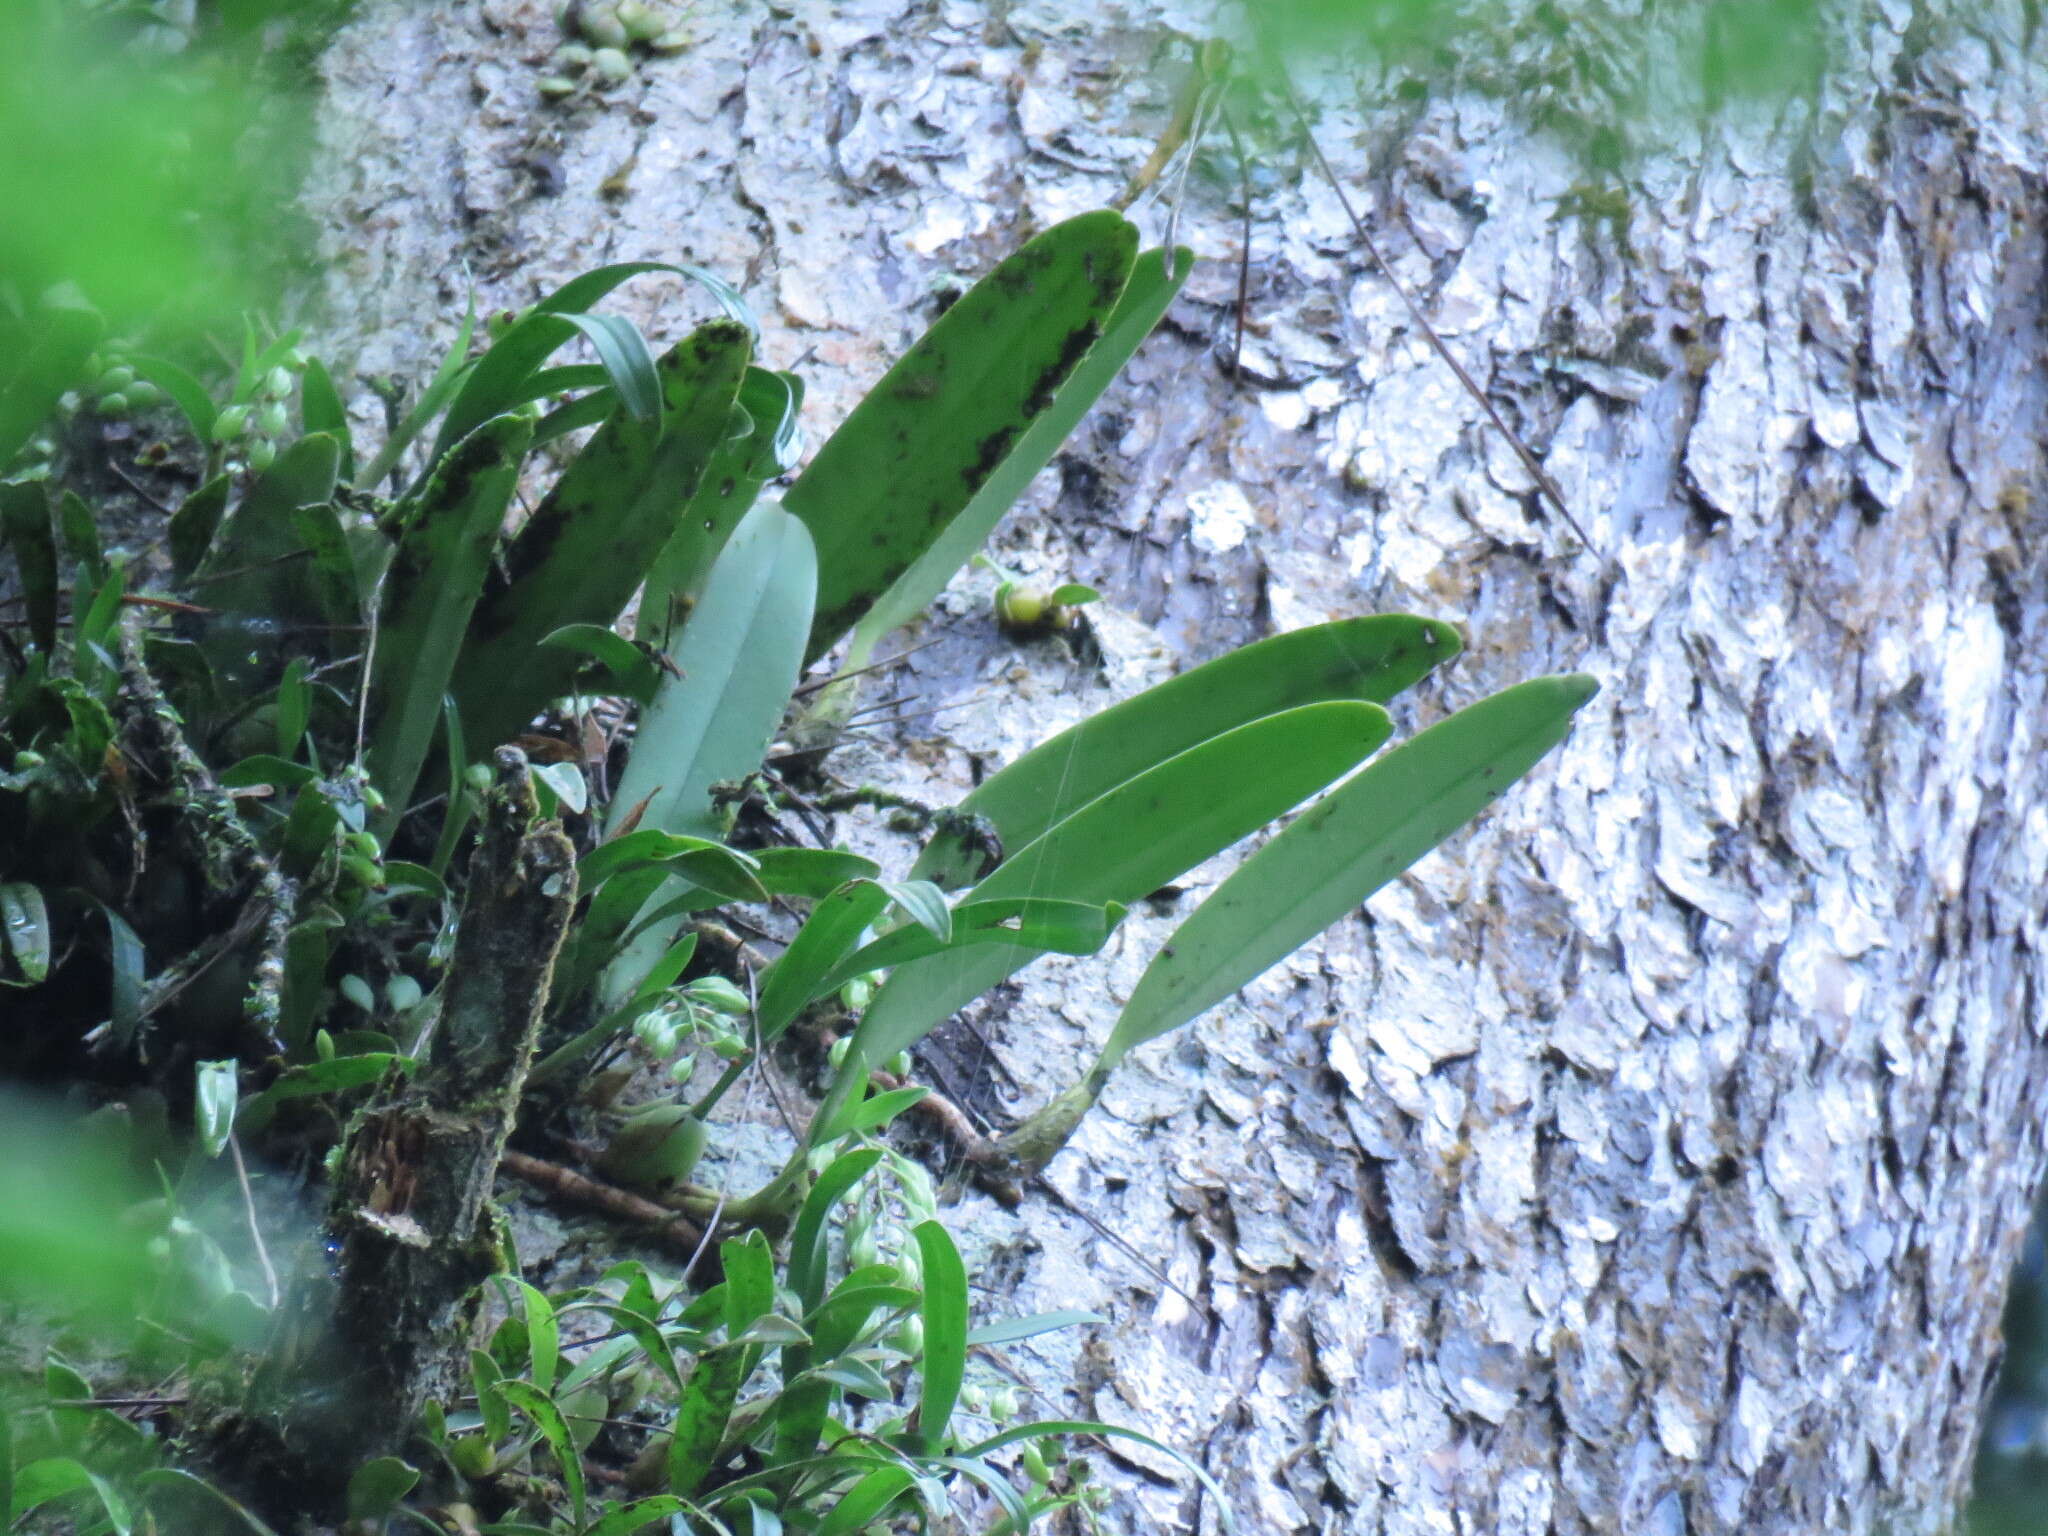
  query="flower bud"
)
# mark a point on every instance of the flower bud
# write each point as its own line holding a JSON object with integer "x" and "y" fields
{"x": 230, "y": 423}
{"x": 611, "y": 65}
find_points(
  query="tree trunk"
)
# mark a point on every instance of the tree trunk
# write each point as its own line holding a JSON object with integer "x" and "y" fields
{"x": 1651, "y": 1159}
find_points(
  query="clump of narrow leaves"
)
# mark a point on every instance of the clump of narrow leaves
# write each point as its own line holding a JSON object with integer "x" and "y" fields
{"x": 299, "y": 737}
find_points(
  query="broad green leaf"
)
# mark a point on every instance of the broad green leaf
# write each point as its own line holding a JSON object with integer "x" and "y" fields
{"x": 376, "y": 1487}
{"x": 810, "y": 872}
{"x": 294, "y": 706}
{"x": 589, "y": 543}
{"x": 872, "y": 1114}
{"x": 199, "y": 1490}
{"x": 924, "y": 904}
{"x": 708, "y": 863}
{"x": 25, "y": 519}
{"x": 1145, "y": 299}
{"x": 945, "y": 1333}
{"x": 335, "y": 1076}
{"x": 805, "y": 1271}
{"x": 927, "y": 438}
{"x": 627, "y": 670}
{"x": 547, "y": 1418}
{"x": 561, "y": 787}
{"x": 320, "y": 408}
{"x": 743, "y": 463}
{"x": 127, "y": 960}
{"x": 622, "y": 353}
{"x": 826, "y": 938}
{"x": 701, "y": 1417}
{"x": 484, "y": 1376}
{"x": 865, "y": 1501}
{"x": 436, "y": 576}
{"x": 249, "y": 565}
{"x": 1369, "y": 658}
{"x": 25, "y": 929}
{"x": 194, "y": 525}
{"x": 191, "y": 397}
{"x": 1010, "y": 1330}
{"x": 841, "y": 1317}
{"x": 213, "y": 1104}
{"x": 493, "y": 386}
{"x": 543, "y": 1333}
{"x": 1145, "y": 832}
{"x": 1345, "y": 847}
{"x": 739, "y": 658}
{"x": 81, "y": 537}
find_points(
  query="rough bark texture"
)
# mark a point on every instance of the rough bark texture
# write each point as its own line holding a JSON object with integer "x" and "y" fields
{"x": 1650, "y": 1160}
{"x": 410, "y": 1233}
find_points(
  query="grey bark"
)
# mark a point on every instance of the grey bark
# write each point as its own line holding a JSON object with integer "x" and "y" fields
{"x": 1650, "y": 1160}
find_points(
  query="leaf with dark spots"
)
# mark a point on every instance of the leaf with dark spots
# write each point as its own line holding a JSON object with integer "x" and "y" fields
{"x": 943, "y": 419}
{"x": 596, "y": 534}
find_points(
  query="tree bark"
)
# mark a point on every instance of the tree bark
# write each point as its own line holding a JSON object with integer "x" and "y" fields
{"x": 1651, "y": 1159}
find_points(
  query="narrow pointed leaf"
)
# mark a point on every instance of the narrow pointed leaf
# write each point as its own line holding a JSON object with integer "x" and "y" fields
{"x": 554, "y": 1429}
{"x": 320, "y": 408}
{"x": 191, "y": 397}
{"x": 1345, "y": 847}
{"x": 589, "y": 543}
{"x": 1035, "y": 923}
{"x": 928, "y": 437}
{"x": 945, "y": 1333}
{"x": 1145, "y": 299}
{"x": 429, "y": 594}
{"x": 493, "y": 385}
{"x": 25, "y": 519}
{"x": 826, "y": 938}
{"x": 255, "y": 562}
{"x": 194, "y": 525}
{"x": 1367, "y": 658}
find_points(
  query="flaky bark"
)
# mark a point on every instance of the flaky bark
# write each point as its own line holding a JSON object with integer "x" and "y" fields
{"x": 1651, "y": 1160}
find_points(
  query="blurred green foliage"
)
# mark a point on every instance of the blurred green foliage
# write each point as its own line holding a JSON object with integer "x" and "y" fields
{"x": 152, "y": 153}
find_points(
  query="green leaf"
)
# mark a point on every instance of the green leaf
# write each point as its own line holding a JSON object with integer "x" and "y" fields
{"x": 732, "y": 481}
{"x": 565, "y": 782}
{"x": 191, "y": 397}
{"x": 1010, "y": 1330}
{"x": 1145, "y": 832}
{"x": 25, "y": 929}
{"x": 927, "y": 438}
{"x": 38, "y": 1482}
{"x": 826, "y": 938}
{"x": 945, "y": 1333}
{"x": 490, "y": 1403}
{"x": 1144, "y": 301}
{"x": 627, "y": 670}
{"x": 126, "y": 962}
{"x": 924, "y": 904}
{"x": 1369, "y": 658}
{"x": 454, "y": 372}
{"x": 874, "y": 1113}
{"x": 622, "y": 353}
{"x": 214, "y": 1104}
{"x": 810, "y": 872}
{"x": 198, "y": 1489}
{"x": 640, "y": 1514}
{"x": 842, "y": 1316}
{"x": 493, "y": 386}
{"x": 707, "y": 862}
{"x": 543, "y": 1332}
{"x": 294, "y": 706}
{"x": 377, "y": 1486}
{"x": 194, "y": 525}
{"x": 249, "y": 566}
{"x": 320, "y": 408}
{"x": 430, "y": 591}
{"x": 805, "y": 1271}
{"x": 1338, "y": 852}
{"x": 61, "y": 337}
{"x": 740, "y": 657}
{"x": 547, "y": 1418}
{"x": 865, "y": 1501}
{"x": 263, "y": 768}
{"x": 591, "y": 540}
{"x": 25, "y": 519}
{"x": 1037, "y": 923}
{"x": 336, "y": 1076}
{"x": 81, "y": 537}
{"x": 702, "y": 1416}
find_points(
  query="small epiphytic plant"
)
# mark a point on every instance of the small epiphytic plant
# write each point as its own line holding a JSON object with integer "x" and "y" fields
{"x": 316, "y": 731}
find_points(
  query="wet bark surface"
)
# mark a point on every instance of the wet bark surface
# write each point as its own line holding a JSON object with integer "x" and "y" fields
{"x": 1652, "y": 1158}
